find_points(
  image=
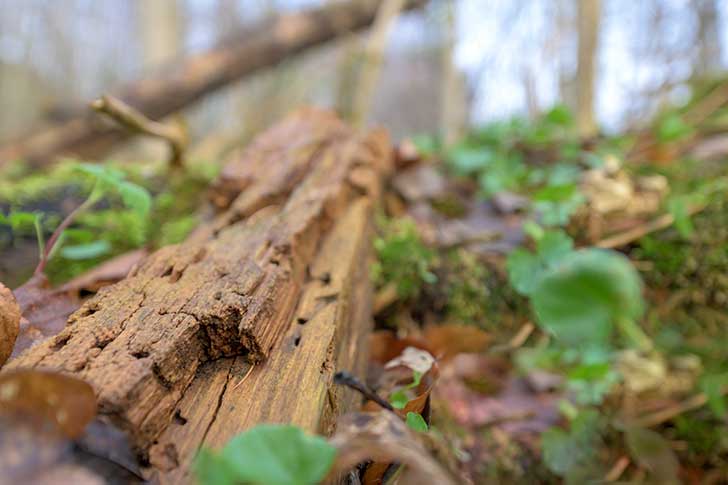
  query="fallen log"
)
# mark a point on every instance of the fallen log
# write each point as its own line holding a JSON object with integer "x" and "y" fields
{"x": 85, "y": 135}
{"x": 278, "y": 280}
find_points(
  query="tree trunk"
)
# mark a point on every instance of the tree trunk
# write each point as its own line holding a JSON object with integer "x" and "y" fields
{"x": 589, "y": 18}
{"x": 250, "y": 49}
{"x": 277, "y": 280}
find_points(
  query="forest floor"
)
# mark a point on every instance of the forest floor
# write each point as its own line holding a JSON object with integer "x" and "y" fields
{"x": 572, "y": 292}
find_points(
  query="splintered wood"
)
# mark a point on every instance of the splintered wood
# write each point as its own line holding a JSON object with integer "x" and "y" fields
{"x": 277, "y": 280}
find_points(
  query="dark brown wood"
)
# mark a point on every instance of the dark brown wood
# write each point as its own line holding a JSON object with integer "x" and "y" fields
{"x": 278, "y": 280}
{"x": 86, "y": 135}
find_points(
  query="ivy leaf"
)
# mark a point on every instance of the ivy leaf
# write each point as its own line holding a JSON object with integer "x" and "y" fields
{"x": 269, "y": 454}
{"x": 416, "y": 422}
{"x": 580, "y": 300}
{"x": 86, "y": 251}
{"x": 398, "y": 399}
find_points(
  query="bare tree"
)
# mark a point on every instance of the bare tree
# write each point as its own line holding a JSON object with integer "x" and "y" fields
{"x": 588, "y": 14}
{"x": 708, "y": 34}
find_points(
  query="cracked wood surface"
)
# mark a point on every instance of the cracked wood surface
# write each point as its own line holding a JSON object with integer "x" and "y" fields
{"x": 292, "y": 245}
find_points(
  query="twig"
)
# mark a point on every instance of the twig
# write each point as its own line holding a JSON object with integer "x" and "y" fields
{"x": 245, "y": 377}
{"x": 135, "y": 121}
{"x": 659, "y": 417}
{"x": 616, "y": 471}
{"x": 343, "y": 378}
{"x": 70, "y": 218}
{"x": 522, "y": 335}
{"x": 631, "y": 235}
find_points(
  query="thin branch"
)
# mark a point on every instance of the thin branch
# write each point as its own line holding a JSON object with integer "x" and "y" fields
{"x": 70, "y": 218}
{"x": 345, "y": 379}
{"x": 136, "y": 122}
{"x": 631, "y": 235}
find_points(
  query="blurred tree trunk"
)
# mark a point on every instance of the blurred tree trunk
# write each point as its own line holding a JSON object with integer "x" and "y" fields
{"x": 161, "y": 32}
{"x": 588, "y": 14}
{"x": 451, "y": 93}
{"x": 708, "y": 57}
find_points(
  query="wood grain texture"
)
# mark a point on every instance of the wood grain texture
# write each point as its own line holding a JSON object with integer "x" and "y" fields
{"x": 168, "y": 344}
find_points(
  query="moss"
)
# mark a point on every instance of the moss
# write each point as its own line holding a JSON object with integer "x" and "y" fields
{"x": 402, "y": 258}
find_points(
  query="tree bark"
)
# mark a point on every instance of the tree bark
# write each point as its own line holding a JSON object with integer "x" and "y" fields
{"x": 180, "y": 85}
{"x": 278, "y": 280}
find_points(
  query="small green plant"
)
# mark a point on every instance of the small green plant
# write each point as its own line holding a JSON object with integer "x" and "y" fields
{"x": 399, "y": 398}
{"x": 106, "y": 181}
{"x": 416, "y": 422}
{"x": 268, "y": 454}
{"x": 403, "y": 259}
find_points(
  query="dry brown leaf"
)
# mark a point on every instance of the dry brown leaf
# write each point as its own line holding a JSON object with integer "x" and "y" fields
{"x": 449, "y": 340}
{"x": 384, "y": 438}
{"x": 45, "y": 397}
{"x": 9, "y": 322}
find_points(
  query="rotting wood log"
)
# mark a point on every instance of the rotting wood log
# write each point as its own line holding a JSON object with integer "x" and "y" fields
{"x": 253, "y": 48}
{"x": 277, "y": 280}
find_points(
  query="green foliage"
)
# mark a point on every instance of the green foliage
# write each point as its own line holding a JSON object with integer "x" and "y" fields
{"x": 86, "y": 251}
{"x": 416, "y": 422}
{"x": 402, "y": 258}
{"x": 267, "y": 454}
{"x": 714, "y": 385}
{"x": 399, "y": 399}
{"x": 582, "y": 299}
{"x": 570, "y": 453}
{"x": 468, "y": 294}
{"x": 672, "y": 128}
{"x": 555, "y": 204}
{"x": 525, "y": 269}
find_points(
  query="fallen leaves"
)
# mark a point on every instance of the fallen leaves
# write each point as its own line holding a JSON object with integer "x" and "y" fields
{"x": 9, "y": 323}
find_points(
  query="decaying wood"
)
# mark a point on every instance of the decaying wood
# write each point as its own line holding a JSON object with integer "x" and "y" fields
{"x": 278, "y": 279}
{"x": 252, "y": 48}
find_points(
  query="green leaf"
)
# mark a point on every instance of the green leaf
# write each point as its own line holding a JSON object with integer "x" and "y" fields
{"x": 466, "y": 160}
{"x": 86, "y": 251}
{"x": 565, "y": 451}
{"x": 533, "y": 230}
{"x": 678, "y": 207}
{"x": 268, "y": 454}
{"x": 559, "y": 115}
{"x": 580, "y": 300}
{"x": 673, "y": 128}
{"x": 136, "y": 198}
{"x": 416, "y": 422}
{"x": 398, "y": 399}
{"x": 712, "y": 386}
{"x": 211, "y": 469}
{"x": 524, "y": 270}
{"x": 554, "y": 246}
{"x": 654, "y": 453}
